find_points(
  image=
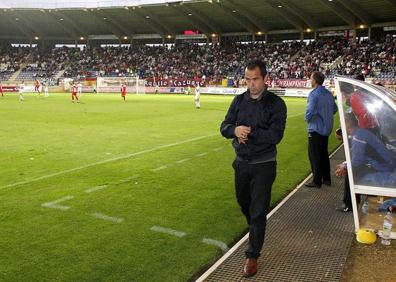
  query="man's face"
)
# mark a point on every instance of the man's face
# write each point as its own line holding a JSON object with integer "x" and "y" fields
{"x": 313, "y": 82}
{"x": 255, "y": 81}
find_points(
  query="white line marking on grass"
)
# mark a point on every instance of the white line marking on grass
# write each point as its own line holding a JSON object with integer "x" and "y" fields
{"x": 218, "y": 149}
{"x": 106, "y": 217}
{"x": 128, "y": 179}
{"x": 159, "y": 168}
{"x": 97, "y": 188}
{"x": 54, "y": 204}
{"x": 216, "y": 243}
{"x": 201, "y": 155}
{"x": 240, "y": 242}
{"x": 182, "y": 161}
{"x": 107, "y": 161}
{"x": 168, "y": 231}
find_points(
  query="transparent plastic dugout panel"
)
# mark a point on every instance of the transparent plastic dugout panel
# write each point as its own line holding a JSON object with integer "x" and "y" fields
{"x": 368, "y": 123}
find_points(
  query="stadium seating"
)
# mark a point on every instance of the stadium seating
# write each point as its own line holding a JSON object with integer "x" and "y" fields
{"x": 287, "y": 60}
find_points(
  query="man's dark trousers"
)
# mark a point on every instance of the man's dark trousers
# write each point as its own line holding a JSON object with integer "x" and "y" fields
{"x": 253, "y": 185}
{"x": 319, "y": 157}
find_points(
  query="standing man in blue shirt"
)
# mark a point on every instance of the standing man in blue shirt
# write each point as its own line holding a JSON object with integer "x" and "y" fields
{"x": 319, "y": 116}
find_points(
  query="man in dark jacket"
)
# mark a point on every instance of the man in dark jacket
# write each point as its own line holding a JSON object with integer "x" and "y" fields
{"x": 256, "y": 122}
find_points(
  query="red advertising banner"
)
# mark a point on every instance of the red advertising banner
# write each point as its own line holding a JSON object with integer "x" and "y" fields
{"x": 10, "y": 88}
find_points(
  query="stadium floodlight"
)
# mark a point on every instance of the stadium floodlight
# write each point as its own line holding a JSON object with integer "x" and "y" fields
{"x": 81, "y": 38}
{"x": 279, "y": 6}
{"x": 36, "y": 38}
{"x": 309, "y": 30}
{"x": 213, "y": 34}
{"x": 169, "y": 36}
{"x": 361, "y": 26}
{"x": 259, "y": 33}
{"x": 125, "y": 37}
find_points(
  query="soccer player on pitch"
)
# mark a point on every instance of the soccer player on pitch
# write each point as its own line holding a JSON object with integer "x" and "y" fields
{"x": 20, "y": 90}
{"x": 37, "y": 86}
{"x": 197, "y": 97}
{"x": 46, "y": 89}
{"x": 74, "y": 92}
{"x": 79, "y": 89}
{"x": 123, "y": 90}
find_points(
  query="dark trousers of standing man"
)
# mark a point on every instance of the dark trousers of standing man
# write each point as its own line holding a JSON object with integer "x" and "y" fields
{"x": 253, "y": 185}
{"x": 319, "y": 157}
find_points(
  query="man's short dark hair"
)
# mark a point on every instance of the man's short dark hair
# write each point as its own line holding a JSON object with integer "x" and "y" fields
{"x": 318, "y": 77}
{"x": 257, "y": 64}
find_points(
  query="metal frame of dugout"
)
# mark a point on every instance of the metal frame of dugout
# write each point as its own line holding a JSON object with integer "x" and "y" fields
{"x": 368, "y": 112}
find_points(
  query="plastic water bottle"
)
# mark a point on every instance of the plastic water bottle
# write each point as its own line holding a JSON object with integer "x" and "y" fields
{"x": 365, "y": 207}
{"x": 387, "y": 229}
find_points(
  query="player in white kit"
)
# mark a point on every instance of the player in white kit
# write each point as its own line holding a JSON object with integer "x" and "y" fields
{"x": 197, "y": 97}
{"x": 20, "y": 90}
{"x": 46, "y": 89}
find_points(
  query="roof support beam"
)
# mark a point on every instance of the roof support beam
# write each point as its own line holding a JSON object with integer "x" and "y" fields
{"x": 152, "y": 24}
{"x": 120, "y": 29}
{"x": 345, "y": 15}
{"x": 168, "y": 28}
{"x": 19, "y": 26}
{"x": 357, "y": 10}
{"x": 27, "y": 25}
{"x": 245, "y": 24}
{"x": 307, "y": 19}
{"x": 108, "y": 25}
{"x": 69, "y": 31}
{"x": 202, "y": 19}
{"x": 293, "y": 20}
{"x": 71, "y": 24}
{"x": 254, "y": 20}
{"x": 196, "y": 23}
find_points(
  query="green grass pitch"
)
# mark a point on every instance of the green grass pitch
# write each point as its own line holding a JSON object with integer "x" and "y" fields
{"x": 119, "y": 169}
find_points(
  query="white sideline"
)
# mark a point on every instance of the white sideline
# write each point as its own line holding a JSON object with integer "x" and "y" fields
{"x": 97, "y": 188}
{"x": 201, "y": 155}
{"x": 183, "y": 160}
{"x": 159, "y": 168}
{"x": 106, "y": 161}
{"x": 108, "y": 218}
{"x": 168, "y": 231}
{"x": 54, "y": 204}
{"x": 216, "y": 243}
{"x": 240, "y": 242}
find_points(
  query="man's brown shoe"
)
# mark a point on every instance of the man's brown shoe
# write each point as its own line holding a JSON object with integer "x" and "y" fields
{"x": 250, "y": 268}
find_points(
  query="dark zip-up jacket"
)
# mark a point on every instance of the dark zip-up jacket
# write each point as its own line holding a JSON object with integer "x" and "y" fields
{"x": 267, "y": 119}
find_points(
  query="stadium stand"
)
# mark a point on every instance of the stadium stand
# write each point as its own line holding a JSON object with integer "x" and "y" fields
{"x": 288, "y": 60}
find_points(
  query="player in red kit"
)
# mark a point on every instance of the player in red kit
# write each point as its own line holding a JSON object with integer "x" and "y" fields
{"x": 123, "y": 90}
{"x": 37, "y": 86}
{"x": 74, "y": 92}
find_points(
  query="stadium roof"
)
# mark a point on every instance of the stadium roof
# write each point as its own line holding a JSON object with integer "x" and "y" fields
{"x": 223, "y": 17}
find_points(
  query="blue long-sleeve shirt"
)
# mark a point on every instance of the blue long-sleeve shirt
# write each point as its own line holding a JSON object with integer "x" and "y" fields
{"x": 321, "y": 108}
